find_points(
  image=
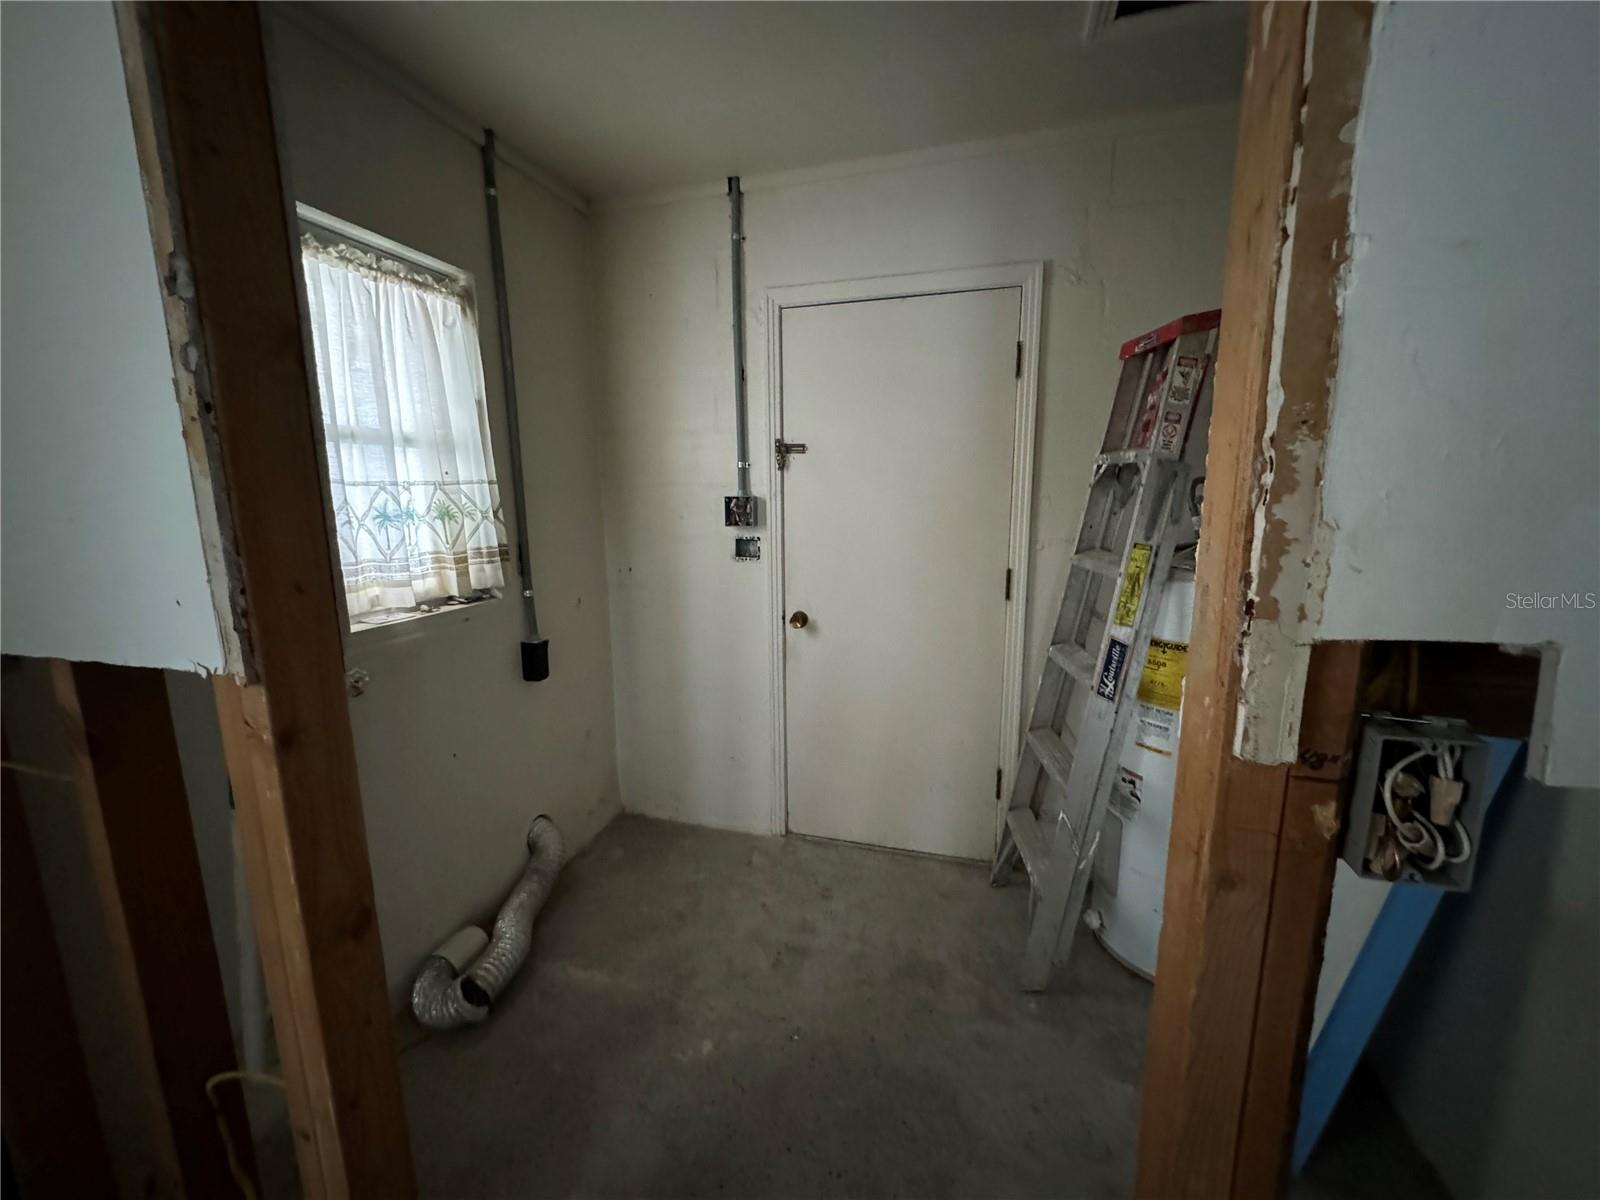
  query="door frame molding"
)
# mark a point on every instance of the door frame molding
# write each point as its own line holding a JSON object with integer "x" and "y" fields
{"x": 1029, "y": 278}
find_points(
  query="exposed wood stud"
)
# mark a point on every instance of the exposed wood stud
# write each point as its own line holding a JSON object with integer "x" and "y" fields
{"x": 198, "y": 87}
{"x": 52, "y": 1130}
{"x": 1250, "y": 866}
{"x": 1302, "y": 891}
{"x": 147, "y": 870}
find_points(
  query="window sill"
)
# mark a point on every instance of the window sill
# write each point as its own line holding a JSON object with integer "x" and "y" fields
{"x": 409, "y": 627}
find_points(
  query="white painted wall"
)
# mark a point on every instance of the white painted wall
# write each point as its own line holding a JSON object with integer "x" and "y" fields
{"x": 456, "y": 752}
{"x": 101, "y": 538}
{"x": 1354, "y": 910}
{"x": 1490, "y": 1049}
{"x": 1130, "y": 218}
{"x": 1463, "y": 457}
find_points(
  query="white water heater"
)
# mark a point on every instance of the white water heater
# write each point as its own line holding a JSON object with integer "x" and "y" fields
{"x": 1130, "y": 870}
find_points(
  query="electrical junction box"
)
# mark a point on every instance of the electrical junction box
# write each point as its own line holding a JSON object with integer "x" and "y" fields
{"x": 739, "y": 512}
{"x": 1434, "y": 772}
{"x": 746, "y": 549}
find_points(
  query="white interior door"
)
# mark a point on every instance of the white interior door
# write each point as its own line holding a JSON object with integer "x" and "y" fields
{"x": 896, "y": 524}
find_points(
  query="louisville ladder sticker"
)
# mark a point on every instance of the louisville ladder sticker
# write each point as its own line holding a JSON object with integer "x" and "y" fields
{"x": 1161, "y": 695}
{"x": 1133, "y": 578}
{"x": 1111, "y": 670}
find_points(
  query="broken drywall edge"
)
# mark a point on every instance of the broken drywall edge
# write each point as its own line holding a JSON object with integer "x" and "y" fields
{"x": 1265, "y": 685}
{"x": 1291, "y": 541}
{"x": 191, "y": 378}
{"x": 1540, "y": 756}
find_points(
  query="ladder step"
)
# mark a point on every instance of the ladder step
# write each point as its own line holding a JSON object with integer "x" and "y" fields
{"x": 1074, "y": 660}
{"x": 1025, "y": 833}
{"x": 1101, "y": 562}
{"x": 1054, "y": 752}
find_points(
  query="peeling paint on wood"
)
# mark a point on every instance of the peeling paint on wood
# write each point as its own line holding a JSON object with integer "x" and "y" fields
{"x": 1291, "y": 543}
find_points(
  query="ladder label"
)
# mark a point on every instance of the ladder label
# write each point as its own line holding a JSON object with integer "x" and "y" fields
{"x": 1127, "y": 794}
{"x": 1149, "y": 410}
{"x": 1186, "y": 375}
{"x": 1133, "y": 578}
{"x": 1111, "y": 669}
{"x": 1169, "y": 434}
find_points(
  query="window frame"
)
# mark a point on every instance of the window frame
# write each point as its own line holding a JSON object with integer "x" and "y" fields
{"x": 325, "y": 225}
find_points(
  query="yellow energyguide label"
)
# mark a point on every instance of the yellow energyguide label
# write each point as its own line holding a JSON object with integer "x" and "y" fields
{"x": 1132, "y": 585}
{"x": 1161, "y": 684}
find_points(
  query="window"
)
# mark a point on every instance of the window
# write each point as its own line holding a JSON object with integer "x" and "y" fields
{"x": 416, "y": 505}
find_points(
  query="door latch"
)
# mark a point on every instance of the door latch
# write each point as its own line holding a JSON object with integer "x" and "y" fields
{"x": 784, "y": 449}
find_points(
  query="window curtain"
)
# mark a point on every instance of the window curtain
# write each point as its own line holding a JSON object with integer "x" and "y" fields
{"x": 415, "y": 501}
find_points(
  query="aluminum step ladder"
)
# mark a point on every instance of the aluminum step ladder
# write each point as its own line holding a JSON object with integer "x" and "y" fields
{"x": 1137, "y": 513}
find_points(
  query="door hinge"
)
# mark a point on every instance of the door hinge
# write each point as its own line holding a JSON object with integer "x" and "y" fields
{"x": 1019, "y": 360}
{"x": 998, "y": 776}
{"x": 1008, "y": 583}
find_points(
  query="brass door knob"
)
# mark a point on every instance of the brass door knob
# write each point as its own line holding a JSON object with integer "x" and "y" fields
{"x": 798, "y": 620}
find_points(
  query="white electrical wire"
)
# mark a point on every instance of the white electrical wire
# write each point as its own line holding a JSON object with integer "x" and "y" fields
{"x": 1466, "y": 845}
{"x": 241, "y": 1177}
{"x": 1420, "y": 835}
{"x": 1412, "y": 834}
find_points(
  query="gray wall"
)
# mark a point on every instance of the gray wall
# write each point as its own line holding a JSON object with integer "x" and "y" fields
{"x": 103, "y": 542}
{"x": 1130, "y": 218}
{"x": 457, "y": 754}
{"x": 1491, "y": 1048}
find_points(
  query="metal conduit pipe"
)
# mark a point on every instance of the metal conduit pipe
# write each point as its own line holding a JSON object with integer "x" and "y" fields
{"x": 741, "y": 402}
{"x": 446, "y": 996}
{"x": 536, "y": 650}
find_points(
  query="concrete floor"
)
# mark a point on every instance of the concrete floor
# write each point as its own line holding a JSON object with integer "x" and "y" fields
{"x": 715, "y": 1014}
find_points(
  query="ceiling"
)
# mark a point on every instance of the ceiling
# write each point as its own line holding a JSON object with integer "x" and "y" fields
{"x": 621, "y": 98}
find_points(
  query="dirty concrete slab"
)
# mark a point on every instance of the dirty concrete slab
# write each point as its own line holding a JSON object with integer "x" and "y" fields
{"x": 710, "y": 1013}
{"x": 718, "y": 1014}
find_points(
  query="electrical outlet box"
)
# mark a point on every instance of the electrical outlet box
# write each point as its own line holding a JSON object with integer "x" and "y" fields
{"x": 747, "y": 549}
{"x": 739, "y": 512}
{"x": 1385, "y": 741}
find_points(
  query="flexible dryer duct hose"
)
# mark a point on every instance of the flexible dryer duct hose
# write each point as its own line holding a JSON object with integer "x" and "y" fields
{"x": 444, "y": 995}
